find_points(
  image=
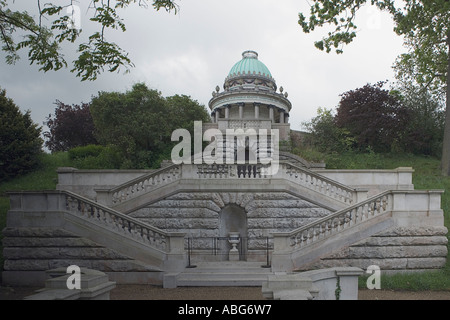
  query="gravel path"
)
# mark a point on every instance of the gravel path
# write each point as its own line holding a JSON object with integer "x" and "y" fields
{"x": 138, "y": 292}
{"x": 147, "y": 292}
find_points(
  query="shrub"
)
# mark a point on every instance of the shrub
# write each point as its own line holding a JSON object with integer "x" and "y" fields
{"x": 96, "y": 157}
{"x": 85, "y": 151}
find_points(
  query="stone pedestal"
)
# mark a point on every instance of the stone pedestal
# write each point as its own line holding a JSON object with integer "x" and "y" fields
{"x": 95, "y": 285}
{"x": 234, "y": 241}
{"x": 321, "y": 284}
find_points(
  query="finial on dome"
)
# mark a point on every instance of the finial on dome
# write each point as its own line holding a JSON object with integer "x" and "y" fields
{"x": 250, "y": 54}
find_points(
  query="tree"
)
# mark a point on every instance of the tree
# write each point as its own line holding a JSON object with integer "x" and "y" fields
{"x": 20, "y": 141}
{"x": 374, "y": 117}
{"x": 140, "y": 123}
{"x": 135, "y": 121}
{"x": 71, "y": 127}
{"x": 425, "y": 127}
{"x": 184, "y": 111}
{"x": 425, "y": 24}
{"x": 326, "y": 135}
{"x": 56, "y": 24}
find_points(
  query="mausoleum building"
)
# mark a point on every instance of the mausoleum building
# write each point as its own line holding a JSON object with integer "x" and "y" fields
{"x": 250, "y": 99}
{"x": 200, "y": 224}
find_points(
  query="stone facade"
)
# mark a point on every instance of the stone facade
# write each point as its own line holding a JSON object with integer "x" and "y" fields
{"x": 199, "y": 215}
{"x": 398, "y": 248}
{"x": 30, "y": 252}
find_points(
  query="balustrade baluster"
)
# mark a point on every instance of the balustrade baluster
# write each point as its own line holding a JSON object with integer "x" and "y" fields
{"x": 100, "y": 215}
{"x": 378, "y": 206}
{"x": 329, "y": 227}
{"x": 149, "y": 236}
{"x": 353, "y": 214}
{"x": 304, "y": 237}
{"x": 309, "y": 236}
{"x": 293, "y": 241}
{"x": 321, "y": 229}
{"x": 336, "y": 224}
{"x": 371, "y": 209}
{"x": 91, "y": 210}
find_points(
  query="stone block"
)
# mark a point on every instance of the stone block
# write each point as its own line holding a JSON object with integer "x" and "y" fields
{"x": 94, "y": 286}
{"x": 319, "y": 284}
{"x": 292, "y": 295}
{"x": 170, "y": 280}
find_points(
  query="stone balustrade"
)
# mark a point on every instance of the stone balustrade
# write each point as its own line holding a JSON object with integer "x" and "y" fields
{"x": 28, "y": 203}
{"x": 117, "y": 221}
{"x": 319, "y": 183}
{"x": 335, "y": 223}
{"x": 395, "y": 208}
{"x": 139, "y": 186}
{"x": 283, "y": 171}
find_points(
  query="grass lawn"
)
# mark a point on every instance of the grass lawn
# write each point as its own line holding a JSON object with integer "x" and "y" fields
{"x": 426, "y": 176}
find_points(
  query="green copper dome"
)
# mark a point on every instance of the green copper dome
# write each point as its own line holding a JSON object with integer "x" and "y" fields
{"x": 250, "y": 65}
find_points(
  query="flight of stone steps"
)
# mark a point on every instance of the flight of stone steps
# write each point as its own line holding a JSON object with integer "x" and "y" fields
{"x": 224, "y": 273}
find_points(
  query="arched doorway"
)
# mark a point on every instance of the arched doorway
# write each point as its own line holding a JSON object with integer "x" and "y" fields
{"x": 233, "y": 218}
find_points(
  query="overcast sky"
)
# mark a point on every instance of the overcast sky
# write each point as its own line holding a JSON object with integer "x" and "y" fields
{"x": 192, "y": 52}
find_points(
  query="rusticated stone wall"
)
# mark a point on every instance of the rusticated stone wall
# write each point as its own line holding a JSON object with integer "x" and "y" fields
{"x": 29, "y": 252}
{"x": 396, "y": 249}
{"x": 198, "y": 214}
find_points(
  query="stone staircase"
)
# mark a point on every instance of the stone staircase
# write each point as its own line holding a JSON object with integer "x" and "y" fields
{"x": 224, "y": 273}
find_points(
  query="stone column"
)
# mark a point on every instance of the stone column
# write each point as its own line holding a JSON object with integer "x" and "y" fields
{"x": 271, "y": 113}
{"x": 286, "y": 118}
{"x": 256, "y": 110}
{"x": 213, "y": 117}
{"x": 241, "y": 111}
{"x": 217, "y": 115}
{"x": 281, "y": 116}
{"x": 227, "y": 111}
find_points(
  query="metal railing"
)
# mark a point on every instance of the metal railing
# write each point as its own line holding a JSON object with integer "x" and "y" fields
{"x": 219, "y": 248}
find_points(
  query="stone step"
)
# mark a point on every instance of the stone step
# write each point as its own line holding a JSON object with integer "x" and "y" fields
{"x": 228, "y": 267}
{"x": 212, "y": 282}
{"x": 224, "y": 274}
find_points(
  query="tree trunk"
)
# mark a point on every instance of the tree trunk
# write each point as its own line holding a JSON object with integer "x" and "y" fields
{"x": 445, "y": 162}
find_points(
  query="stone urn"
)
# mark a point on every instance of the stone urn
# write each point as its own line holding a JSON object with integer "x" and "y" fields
{"x": 234, "y": 239}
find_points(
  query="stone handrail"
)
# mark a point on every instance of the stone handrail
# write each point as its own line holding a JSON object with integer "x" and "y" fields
{"x": 334, "y": 223}
{"x": 119, "y": 222}
{"x": 296, "y": 174}
{"x": 319, "y": 183}
{"x": 144, "y": 184}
